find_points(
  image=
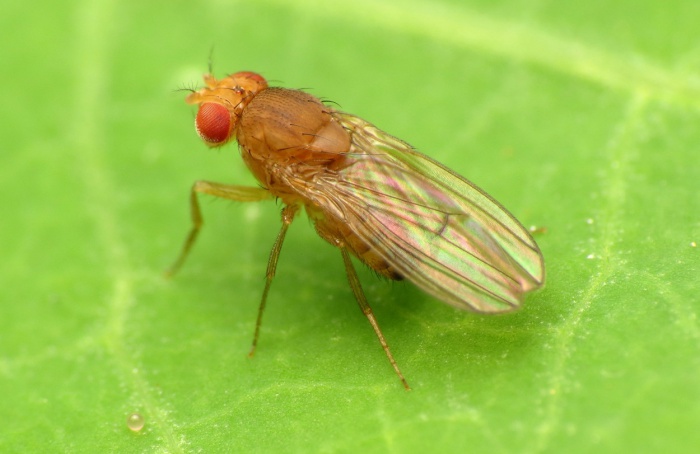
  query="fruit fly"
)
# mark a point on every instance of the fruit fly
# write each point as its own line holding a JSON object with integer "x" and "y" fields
{"x": 369, "y": 194}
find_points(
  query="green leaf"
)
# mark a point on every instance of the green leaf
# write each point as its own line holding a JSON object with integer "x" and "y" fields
{"x": 582, "y": 119}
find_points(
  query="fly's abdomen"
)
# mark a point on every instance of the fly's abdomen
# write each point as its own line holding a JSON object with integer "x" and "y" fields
{"x": 338, "y": 233}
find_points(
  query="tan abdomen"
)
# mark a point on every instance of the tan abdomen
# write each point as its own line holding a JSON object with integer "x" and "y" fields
{"x": 339, "y": 234}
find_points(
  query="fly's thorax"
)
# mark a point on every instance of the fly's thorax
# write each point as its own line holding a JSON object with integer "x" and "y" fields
{"x": 280, "y": 128}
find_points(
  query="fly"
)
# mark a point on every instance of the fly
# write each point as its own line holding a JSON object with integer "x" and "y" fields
{"x": 369, "y": 194}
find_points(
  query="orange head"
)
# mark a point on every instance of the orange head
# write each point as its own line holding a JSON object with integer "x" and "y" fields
{"x": 221, "y": 103}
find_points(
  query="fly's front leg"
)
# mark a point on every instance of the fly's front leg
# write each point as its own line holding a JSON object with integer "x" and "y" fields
{"x": 224, "y": 191}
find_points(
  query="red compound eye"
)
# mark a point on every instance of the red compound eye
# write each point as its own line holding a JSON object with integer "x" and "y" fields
{"x": 250, "y": 75}
{"x": 249, "y": 81}
{"x": 213, "y": 123}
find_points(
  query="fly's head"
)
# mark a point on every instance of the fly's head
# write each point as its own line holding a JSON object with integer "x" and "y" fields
{"x": 221, "y": 103}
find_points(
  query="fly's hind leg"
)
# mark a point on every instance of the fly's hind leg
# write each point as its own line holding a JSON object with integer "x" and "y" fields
{"x": 224, "y": 191}
{"x": 367, "y": 310}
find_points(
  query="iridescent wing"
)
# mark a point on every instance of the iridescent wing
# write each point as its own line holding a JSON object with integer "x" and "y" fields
{"x": 437, "y": 229}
